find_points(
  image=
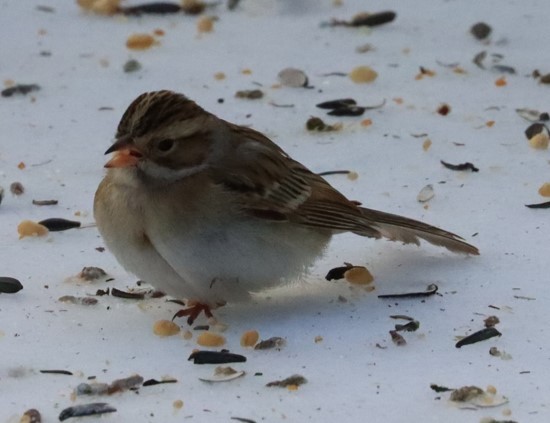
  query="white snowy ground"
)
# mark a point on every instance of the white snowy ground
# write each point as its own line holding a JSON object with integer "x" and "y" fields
{"x": 355, "y": 373}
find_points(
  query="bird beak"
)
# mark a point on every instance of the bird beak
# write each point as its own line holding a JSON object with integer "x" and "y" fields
{"x": 126, "y": 154}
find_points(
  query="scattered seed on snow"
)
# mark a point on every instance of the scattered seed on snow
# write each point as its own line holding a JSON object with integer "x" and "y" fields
{"x": 480, "y": 30}
{"x": 9, "y": 285}
{"x": 291, "y": 77}
{"x": 17, "y": 188}
{"x": 30, "y": 228}
{"x": 273, "y": 342}
{"x": 223, "y": 374}
{"x": 294, "y": 380}
{"x": 426, "y": 194}
{"x": 210, "y": 339}
{"x": 56, "y": 224}
{"x": 215, "y": 357}
{"x": 480, "y": 335}
{"x": 165, "y": 328}
{"x": 249, "y": 338}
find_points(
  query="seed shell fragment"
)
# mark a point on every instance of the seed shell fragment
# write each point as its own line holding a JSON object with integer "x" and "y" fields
{"x": 397, "y": 338}
{"x": 17, "y": 188}
{"x": 462, "y": 166}
{"x": 336, "y": 104}
{"x": 480, "y": 30}
{"x": 31, "y": 416}
{"x": 426, "y": 194}
{"x": 9, "y": 285}
{"x": 223, "y": 374}
{"x": 480, "y": 335}
{"x": 56, "y": 224}
{"x": 160, "y": 8}
{"x": 291, "y": 77}
{"x": 22, "y": 89}
{"x": 294, "y": 380}
{"x": 545, "y": 205}
{"x": 431, "y": 289}
{"x": 215, "y": 357}
{"x": 273, "y": 342}
{"x": 82, "y": 410}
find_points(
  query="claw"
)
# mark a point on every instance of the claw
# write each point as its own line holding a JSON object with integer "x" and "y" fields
{"x": 193, "y": 311}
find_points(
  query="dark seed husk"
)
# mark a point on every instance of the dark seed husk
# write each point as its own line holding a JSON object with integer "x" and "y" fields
{"x": 91, "y": 409}
{"x": 294, "y": 380}
{"x": 480, "y": 335}
{"x": 17, "y": 188}
{"x": 462, "y": 166}
{"x": 20, "y": 89}
{"x": 504, "y": 69}
{"x": 131, "y": 65}
{"x": 373, "y": 19}
{"x": 216, "y": 357}
{"x": 161, "y": 8}
{"x": 409, "y": 327}
{"x": 545, "y": 205}
{"x": 128, "y": 295}
{"x": 56, "y": 224}
{"x": 535, "y": 129}
{"x": 431, "y": 289}
{"x": 439, "y": 388}
{"x": 152, "y": 382}
{"x": 337, "y": 273}
{"x": 336, "y": 104}
{"x": 45, "y": 202}
{"x": 9, "y": 285}
{"x": 348, "y": 111}
{"x": 545, "y": 79}
{"x": 480, "y": 30}
{"x": 57, "y": 372}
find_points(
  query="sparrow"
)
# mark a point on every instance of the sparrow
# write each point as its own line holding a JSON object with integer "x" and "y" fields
{"x": 211, "y": 211}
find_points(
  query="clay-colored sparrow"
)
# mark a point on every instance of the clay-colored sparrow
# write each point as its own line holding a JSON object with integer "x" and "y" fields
{"x": 211, "y": 211}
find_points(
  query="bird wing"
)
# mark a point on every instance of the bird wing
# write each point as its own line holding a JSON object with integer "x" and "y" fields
{"x": 271, "y": 185}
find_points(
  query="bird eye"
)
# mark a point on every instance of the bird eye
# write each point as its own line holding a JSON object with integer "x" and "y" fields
{"x": 165, "y": 145}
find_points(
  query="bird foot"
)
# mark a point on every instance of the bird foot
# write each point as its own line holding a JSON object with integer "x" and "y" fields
{"x": 193, "y": 311}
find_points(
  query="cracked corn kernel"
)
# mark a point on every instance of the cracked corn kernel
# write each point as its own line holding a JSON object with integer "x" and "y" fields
{"x": 363, "y": 75}
{"x": 165, "y": 328}
{"x": 210, "y": 339}
{"x": 544, "y": 190}
{"x": 140, "y": 41}
{"x": 358, "y": 275}
{"x": 30, "y": 228}
{"x": 249, "y": 338}
{"x": 426, "y": 144}
{"x": 205, "y": 24}
{"x": 539, "y": 141}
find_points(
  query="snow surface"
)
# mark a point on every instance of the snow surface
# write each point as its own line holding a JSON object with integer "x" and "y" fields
{"x": 61, "y": 132}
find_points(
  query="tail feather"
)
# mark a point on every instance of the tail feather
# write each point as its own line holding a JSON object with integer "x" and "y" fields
{"x": 410, "y": 231}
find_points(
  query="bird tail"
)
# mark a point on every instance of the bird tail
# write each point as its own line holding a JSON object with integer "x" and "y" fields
{"x": 410, "y": 231}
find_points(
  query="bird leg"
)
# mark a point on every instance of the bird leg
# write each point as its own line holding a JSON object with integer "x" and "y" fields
{"x": 192, "y": 311}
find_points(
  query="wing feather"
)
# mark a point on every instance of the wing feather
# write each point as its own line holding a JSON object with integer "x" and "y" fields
{"x": 270, "y": 185}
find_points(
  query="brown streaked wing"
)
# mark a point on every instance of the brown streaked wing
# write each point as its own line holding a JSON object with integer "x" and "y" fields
{"x": 273, "y": 186}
